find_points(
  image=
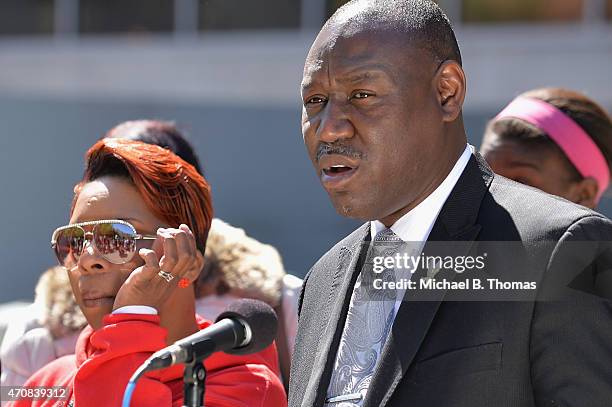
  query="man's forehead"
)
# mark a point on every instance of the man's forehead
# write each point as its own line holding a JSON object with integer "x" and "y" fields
{"x": 351, "y": 43}
{"x": 344, "y": 54}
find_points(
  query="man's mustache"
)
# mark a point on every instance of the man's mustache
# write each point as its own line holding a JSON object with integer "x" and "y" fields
{"x": 338, "y": 149}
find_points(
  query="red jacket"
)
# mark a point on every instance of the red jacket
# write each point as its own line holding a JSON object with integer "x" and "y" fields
{"x": 105, "y": 360}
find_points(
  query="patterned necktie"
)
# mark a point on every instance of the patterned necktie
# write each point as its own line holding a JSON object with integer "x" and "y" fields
{"x": 368, "y": 323}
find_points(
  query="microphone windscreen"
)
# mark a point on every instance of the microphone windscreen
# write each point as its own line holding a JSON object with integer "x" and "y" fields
{"x": 260, "y": 317}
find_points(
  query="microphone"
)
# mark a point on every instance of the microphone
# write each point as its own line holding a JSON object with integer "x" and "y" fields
{"x": 246, "y": 326}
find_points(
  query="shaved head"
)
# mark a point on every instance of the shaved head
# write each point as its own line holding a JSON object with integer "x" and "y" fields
{"x": 422, "y": 21}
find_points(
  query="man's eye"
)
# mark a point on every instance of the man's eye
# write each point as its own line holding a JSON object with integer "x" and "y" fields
{"x": 315, "y": 100}
{"x": 362, "y": 95}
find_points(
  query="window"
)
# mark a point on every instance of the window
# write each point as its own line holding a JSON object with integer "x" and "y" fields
{"x": 23, "y": 17}
{"x": 121, "y": 16}
{"x": 250, "y": 14}
{"x": 492, "y": 11}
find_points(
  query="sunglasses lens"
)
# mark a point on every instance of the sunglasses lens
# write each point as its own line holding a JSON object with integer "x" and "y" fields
{"x": 115, "y": 241}
{"x": 69, "y": 245}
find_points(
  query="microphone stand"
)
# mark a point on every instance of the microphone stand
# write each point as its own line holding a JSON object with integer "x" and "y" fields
{"x": 195, "y": 373}
{"x": 193, "y": 383}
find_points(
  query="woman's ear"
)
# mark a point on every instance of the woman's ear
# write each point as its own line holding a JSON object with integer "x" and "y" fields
{"x": 450, "y": 87}
{"x": 199, "y": 261}
{"x": 584, "y": 192}
{"x": 197, "y": 267}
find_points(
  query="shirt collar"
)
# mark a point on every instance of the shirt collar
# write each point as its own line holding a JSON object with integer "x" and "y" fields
{"x": 415, "y": 225}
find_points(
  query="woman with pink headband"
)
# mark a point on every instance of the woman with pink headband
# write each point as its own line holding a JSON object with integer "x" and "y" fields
{"x": 555, "y": 140}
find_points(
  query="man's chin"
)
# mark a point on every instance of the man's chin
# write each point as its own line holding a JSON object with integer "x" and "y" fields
{"x": 345, "y": 210}
{"x": 350, "y": 210}
{"x": 360, "y": 210}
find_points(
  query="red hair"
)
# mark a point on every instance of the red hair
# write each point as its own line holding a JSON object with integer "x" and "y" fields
{"x": 170, "y": 187}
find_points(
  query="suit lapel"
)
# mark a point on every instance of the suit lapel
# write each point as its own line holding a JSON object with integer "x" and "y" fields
{"x": 350, "y": 259}
{"x": 456, "y": 222}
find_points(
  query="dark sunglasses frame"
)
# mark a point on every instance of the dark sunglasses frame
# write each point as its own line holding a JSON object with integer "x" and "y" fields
{"x": 91, "y": 236}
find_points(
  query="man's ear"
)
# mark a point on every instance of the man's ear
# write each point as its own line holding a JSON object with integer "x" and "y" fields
{"x": 450, "y": 87}
{"x": 584, "y": 192}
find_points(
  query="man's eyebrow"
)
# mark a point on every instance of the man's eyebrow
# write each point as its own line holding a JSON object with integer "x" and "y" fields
{"x": 372, "y": 71}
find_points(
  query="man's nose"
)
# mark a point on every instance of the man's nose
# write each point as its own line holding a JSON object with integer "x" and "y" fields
{"x": 335, "y": 123}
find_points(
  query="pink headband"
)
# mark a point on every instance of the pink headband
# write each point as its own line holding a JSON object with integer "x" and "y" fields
{"x": 579, "y": 148}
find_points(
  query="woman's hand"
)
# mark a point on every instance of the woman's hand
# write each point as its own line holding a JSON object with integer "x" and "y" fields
{"x": 180, "y": 258}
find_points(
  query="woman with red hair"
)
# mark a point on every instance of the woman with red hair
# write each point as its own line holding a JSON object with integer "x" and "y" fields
{"x": 132, "y": 249}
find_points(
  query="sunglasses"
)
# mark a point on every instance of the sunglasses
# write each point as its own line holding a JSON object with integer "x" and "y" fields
{"x": 115, "y": 240}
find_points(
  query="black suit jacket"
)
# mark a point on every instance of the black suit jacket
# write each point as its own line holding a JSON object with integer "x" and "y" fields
{"x": 474, "y": 353}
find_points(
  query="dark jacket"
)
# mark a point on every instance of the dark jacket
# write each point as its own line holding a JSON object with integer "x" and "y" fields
{"x": 457, "y": 353}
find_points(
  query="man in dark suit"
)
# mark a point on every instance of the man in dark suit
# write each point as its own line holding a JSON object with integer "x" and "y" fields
{"x": 383, "y": 90}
